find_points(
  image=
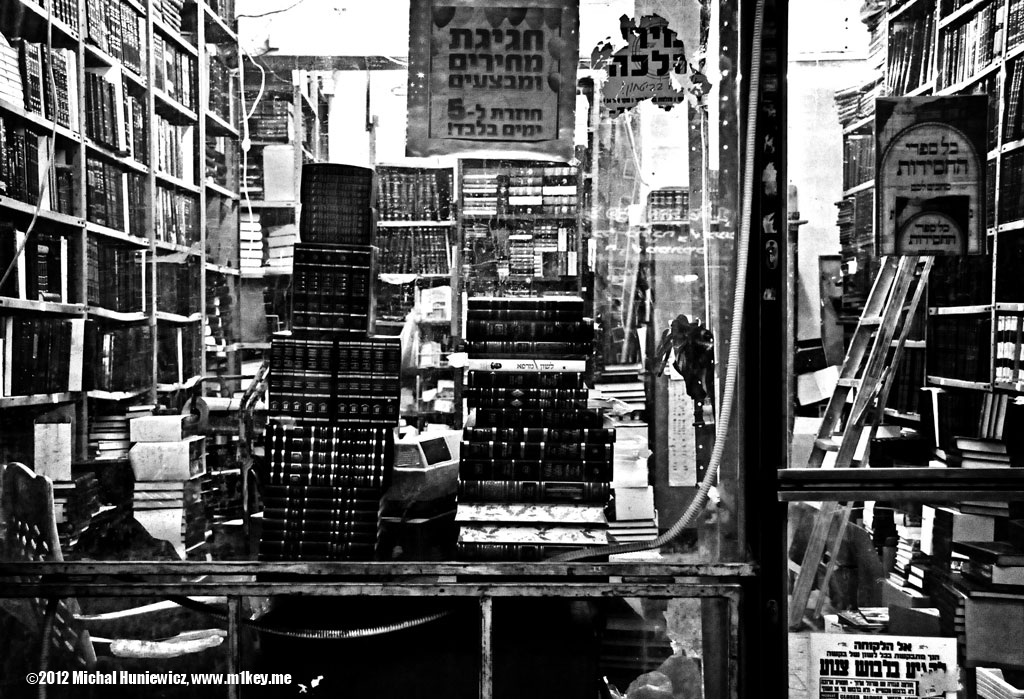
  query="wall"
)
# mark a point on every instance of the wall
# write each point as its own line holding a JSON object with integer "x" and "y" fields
{"x": 828, "y": 46}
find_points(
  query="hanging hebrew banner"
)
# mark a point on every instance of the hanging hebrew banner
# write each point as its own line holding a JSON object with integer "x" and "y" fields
{"x": 931, "y": 175}
{"x": 494, "y": 75}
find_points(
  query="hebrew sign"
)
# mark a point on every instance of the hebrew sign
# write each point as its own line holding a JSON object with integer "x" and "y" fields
{"x": 930, "y": 177}
{"x": 870, "y": 666}
{"x": 492, "y": 75}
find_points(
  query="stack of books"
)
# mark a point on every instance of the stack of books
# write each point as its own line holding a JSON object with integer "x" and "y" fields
{"x": 11, "y": 89}
{"x": 334, "y": 388}
{"x": 337, "y": 204}
{"x": 250, "y": 241}
{"x": 108, "y": 436}
{"x": 281, "y": 240}
{"x": 169, "y": 463}
{"x": 531, "y": 440}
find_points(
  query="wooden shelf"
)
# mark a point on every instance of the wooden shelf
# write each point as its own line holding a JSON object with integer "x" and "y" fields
{"x": 172, "y": 181}
{"x": 25, "y": 211}
{"x": 173, "y": 110}
{"x": 959, "y": 310}
{"x": 264, "y": 204}
{"x": 958, "y": 383}
{"x": 416, "y": 224}
{"x": 862, "y": 187}
{"x": 124, "y": 317}
{"x": 122, "y": 160}
{"x": 902, "y": 9}
{"x": 115, "y": 234}
{"x": 221, "y": 269}
{"x": 859, "y": 124}
{"x": 1017, "y": 225}
{"x": 33, "y": 26}
{"x": 164, "y": 316}
{"x": 219, "y": 127}
{"x": 218, "y": 27}
{"x": 39, "y": 399}
{"x": 980, "y": 75}
{"x": 47, "y": 307}
{"x": 1010, "y": 307}
{"x": 221, "y": 191}
{"x": 174, "y": 247}
{"x": 46, "y": 126}
{"x": 960, "y": 12}
{"x": 97, "y": 394}
{"x": 174, "y": 37}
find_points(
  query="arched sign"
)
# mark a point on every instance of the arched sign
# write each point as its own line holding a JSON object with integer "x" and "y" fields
{"x": 930, "y": 175}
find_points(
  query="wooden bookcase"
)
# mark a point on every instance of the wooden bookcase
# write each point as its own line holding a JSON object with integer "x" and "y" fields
{"x": 158, "y": 166}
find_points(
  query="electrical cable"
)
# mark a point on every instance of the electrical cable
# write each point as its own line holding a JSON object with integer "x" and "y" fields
{"x": 51, "y": 150}
{"x": 246, "y": 115}
{"x": 728, "y": 394}
{"x": 270, "y": 12}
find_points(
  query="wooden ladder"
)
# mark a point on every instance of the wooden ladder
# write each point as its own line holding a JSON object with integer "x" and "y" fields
{"x": 859, "y": 400}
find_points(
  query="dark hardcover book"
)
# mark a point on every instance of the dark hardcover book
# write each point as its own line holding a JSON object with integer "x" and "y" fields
{"x": 600, "y": 435}
{"x": 532, "y": 491}
{"x": 990, "y": 552}
{"x": 505, "y": 469}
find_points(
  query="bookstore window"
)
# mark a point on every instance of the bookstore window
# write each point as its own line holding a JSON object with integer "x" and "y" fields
{"x": 282, "y": 294}
{"x": 904, "y": 485}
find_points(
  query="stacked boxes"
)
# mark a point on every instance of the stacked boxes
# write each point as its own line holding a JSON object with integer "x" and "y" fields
{"x": 536, "y": 463}
{"x": 334, "y": 388}
{"x": 169, "y": 466}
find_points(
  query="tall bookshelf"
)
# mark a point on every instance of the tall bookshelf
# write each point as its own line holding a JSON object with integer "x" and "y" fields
{"x": 124, "y": 247}
{"x": 966, "y": 350}
{"x": 287, "y": 129}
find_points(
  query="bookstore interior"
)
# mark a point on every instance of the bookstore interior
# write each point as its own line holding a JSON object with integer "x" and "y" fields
{"x": 512, "y": 348}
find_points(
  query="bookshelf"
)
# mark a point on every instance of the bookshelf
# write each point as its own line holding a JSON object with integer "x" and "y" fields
{"x": 287, "y": 129}
{"x": 135, "y": 224}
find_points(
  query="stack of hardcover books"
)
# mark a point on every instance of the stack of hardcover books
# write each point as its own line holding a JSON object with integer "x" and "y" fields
{"x": 334, "y": 387}
{"x": 536, "y": 463}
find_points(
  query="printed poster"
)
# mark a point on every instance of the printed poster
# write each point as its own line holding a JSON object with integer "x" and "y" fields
{"x": 871, "y": 666}
{"x": 492, "y": 75}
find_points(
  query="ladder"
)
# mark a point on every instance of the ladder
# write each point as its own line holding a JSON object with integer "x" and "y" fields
{"x": 859, "y": 400}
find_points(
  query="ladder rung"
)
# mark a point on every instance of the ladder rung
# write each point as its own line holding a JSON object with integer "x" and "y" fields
{"x": 826, "y": 444}
{"x": 871, "y": 321}
{"x": 849, "y": 383}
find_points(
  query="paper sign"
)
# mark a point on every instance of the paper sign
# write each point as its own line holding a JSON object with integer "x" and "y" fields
{"x": 493, "y": 75}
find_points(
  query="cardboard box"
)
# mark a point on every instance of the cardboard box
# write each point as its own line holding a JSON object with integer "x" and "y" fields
{"x": 160, "y": 428}
{"x": 634, "y": 503}
{"x": 53, "y": 450}
{"x": 168, "y": 461}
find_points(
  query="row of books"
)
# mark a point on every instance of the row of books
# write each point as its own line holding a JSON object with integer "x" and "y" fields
{"x": 414, "y": 194}
{"x": 221, "y": 313}
{"x": 118, "y": 357}
{"x": 331, "y": 287}
{"x": 115, "y": 276}
{"x": 414, "y": 250}
{"x": 175, "y": 149}
{"x": 911, "y": 42}
{"x": 959, "y": 346}
{"x": 12, "y": 88}
{"x": 499, "y": 191}
{"x": 1011, "y": 187}
{"x": 353, "y": 381}
{"x": 1015, "y": 25}
{"x": 176, "y": 216}
{"x": 1013, "y": 121}
{"x": 222, "y": 161}
{"x": 960, "y": 281}
{"x": 170, "y": 12}
{"x": 66, "y": 11}
{"x": 221, "y": 97}
{"x": 272, "y": 116}
{"x": 114, "y": 117}
{"x": 337, "y": 204}
{"x": 858, "y": 101}
{"x": 175, "y": 72}
{"x": 41, "y": 355}
{"x": 57, "y": 101}
{"x": 1008, "y": 365}
{"x": 989, "y": 86}
{"x": 178, "y": 352}
{"x": 41, "y": 270}
{"x": 116, "y": 28}
{"x": 107, "y": 192}
{"x": 969, "y": 48}
{"x": 668, "y": 205}
{"x": 858, "y": 160}
{"x": 178, "y": 284}
{"x": 857, "y": 238}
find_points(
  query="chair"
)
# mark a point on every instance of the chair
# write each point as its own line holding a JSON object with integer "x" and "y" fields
{"x": 29, "y": 533}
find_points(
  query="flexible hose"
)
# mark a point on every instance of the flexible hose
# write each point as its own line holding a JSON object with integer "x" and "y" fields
{"x": 729, "y": 391}
{"x": 44, "y": 650}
